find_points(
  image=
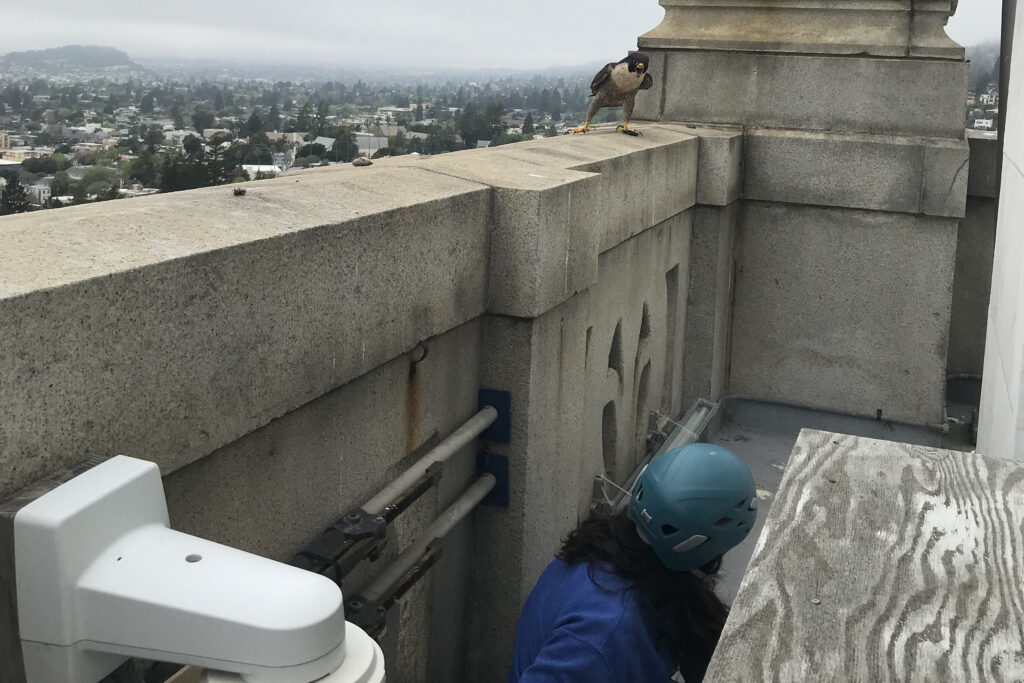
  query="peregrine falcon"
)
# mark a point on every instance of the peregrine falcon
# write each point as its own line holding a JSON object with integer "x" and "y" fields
{"x": 616, "y": 85}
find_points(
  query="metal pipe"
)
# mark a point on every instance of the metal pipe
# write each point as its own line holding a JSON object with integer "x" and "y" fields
{"x": 438, "y": 529}
{"x": 439, "y": 453}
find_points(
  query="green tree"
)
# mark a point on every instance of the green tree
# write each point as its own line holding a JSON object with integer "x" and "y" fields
{"x": 146, "y": 105}
{"x": 528, "y": 127}
{"x": 111, "y": 192}
{"x": 314, "y": 149}
{"x": 320, "y": 122}
{"x": 175, "y": 112}
{"x": 273, "y": 119}
{"x": 504, "y": 138}
{"x": 15, "y": 197}
{"x": 143, "y": 169}
{"x": 254, "y": 124}
{"x": 304, "y": 121}
{"x": 440, "y": 139}
{"x": 201, "y": 119}
{"x": 192, "y": 145}
{"x": 98, "y": 180}
{"x": 61, "y": 184}
{"x": 154, "y": 137}
{"x": 344, "y": 147}
{"x": 397, "y": 144}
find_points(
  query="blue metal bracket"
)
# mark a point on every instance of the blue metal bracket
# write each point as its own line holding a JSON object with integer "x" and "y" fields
{"x": 497, "y": 465}
{"x": 501, "y": 430}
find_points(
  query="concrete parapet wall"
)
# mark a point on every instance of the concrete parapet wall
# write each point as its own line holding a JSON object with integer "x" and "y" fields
{"x": 897, "y": 28}
{"x": 842, "y": 308}
{"x": 170, "y": 326}
{"x": 907, "y": 97}
{"x": 885, "y": 173}
{"x": 853, "y": 149}
{"x": 557, "y": 205}
{"x": 984, "y": 177}
{"x": 283, "y": 353}
{"x": 273, "y": 490}
{"x": 975, "y": 247}
{"x": 709, "y": 310}
{"x": 584, "y": 377}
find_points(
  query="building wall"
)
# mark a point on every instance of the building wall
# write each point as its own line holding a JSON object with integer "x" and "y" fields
{"x": 854, "y": 178}
{"x": 1000, "y": 419}
{"x": 260, "y": 349}
{"x": 974, "y": 251}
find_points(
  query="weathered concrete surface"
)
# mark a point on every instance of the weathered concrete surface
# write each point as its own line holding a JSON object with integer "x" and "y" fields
{"x": 845, "y": 310}
{"x": 975, "y": 248}
{"x": 888, "y": 173}
{"x": 972, "y": 285}
{"x": 853, "y": 27}
{"x": 277, "y": 488}
{"x": 644, "y": 180}
{"x": 839, "y": 94}
{"x": 709, "y": 307}
{"x": 719, "y": 169}
{"x": 557, "y": 368}
{"x": 259, "y": 348}
{"x": 167, "y": 327}
{"x": 1001, "y": 422}
{"x": 983, "y": 180}
{"x": 559, "y": 202}
{"x": 543, "y": 240}
{"x": 634, "y": 349}
{"x": 541, "y": 362}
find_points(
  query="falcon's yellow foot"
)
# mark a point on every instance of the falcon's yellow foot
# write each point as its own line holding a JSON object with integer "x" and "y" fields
{"x": 582, "y": 129}
{"x": 624, "y": 128}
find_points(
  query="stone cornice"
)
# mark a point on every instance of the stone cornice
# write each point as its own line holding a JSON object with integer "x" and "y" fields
{"x": 884, "y": 28}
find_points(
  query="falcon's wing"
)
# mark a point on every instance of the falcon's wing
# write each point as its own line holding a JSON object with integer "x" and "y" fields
{"x": 602, "y": 76}
{"x": 647, "y": 83}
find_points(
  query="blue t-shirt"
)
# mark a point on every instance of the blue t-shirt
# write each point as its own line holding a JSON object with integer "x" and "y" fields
{"x": 572, "y": 630}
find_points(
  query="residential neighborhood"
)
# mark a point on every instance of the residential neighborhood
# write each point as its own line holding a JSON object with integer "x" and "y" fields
{"x": 103, "y": 136}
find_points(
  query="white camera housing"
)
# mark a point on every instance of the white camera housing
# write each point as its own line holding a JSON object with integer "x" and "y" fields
{"x": 101, "y": 576}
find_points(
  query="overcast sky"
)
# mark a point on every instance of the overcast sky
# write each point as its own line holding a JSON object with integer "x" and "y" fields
{"x": 433, "y": 33}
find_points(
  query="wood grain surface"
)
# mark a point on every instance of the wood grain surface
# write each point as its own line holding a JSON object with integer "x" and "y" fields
{"x": 882, "y": 561}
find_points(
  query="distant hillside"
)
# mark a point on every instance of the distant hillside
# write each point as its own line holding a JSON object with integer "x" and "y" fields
{"x": 80, "y": 56}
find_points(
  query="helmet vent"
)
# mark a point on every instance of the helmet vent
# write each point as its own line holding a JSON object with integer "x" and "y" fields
{"x": 668, "y": 529}
{"x": 742, "y": 505}
{"x": 723, "y": 521}
{"x": 639, "y": 492}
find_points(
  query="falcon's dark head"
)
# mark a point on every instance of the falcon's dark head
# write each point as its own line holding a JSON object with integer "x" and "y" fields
{"x": 638, "y": 61}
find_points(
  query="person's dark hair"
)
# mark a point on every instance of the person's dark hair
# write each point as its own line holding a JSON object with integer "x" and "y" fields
{"x": 690, "y": 616}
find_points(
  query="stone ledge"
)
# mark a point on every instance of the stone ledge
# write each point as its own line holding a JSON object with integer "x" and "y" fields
{"x": 983, "y": 180}
{"x": 886, "y": 173}
{"x": 644, "y": 180}
{"x": 543, "y": 240}
{"x": 719, "y": 163}
{"x": 808, "y": 92}
{"x": 894, "y": 28}
{"x": 560, "y": 202}
{"x": 168, "y": 326}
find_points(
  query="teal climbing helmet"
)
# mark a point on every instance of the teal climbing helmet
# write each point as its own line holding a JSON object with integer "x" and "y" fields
{"x": 693, "y": 503}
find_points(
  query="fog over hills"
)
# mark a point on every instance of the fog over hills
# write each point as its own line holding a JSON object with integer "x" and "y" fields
{"x": 74, "y": 56}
